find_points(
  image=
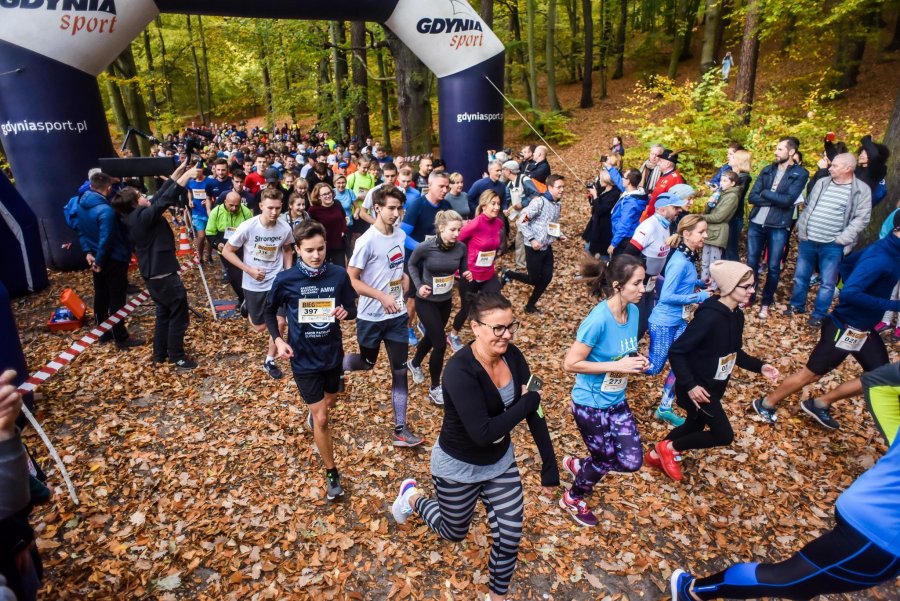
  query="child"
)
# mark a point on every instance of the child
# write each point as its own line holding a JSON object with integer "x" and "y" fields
{"x": 718, "y": 214}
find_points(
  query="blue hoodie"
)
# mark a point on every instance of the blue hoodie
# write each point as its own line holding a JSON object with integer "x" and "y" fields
{"x": 626, "y": 215}
{"x": 867, "y": 292}
{"x": 677, "y": 291}
{"x": 99, "y": 230}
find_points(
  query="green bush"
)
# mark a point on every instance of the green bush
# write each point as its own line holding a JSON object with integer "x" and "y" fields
{"x": 552, "y": 125}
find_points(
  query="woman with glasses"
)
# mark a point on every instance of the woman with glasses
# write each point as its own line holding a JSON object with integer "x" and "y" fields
{"x": 702, "y": 359}
{"x": 330, "y": 214}
{"x": 486, "y": 397}
{"x": 603, "y": 355}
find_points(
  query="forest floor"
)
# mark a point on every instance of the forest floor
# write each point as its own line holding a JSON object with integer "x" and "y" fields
{"x": 205, "y": 485}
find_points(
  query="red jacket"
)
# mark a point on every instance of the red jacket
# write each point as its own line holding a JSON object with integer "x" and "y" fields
{"x": 663, "y": 184}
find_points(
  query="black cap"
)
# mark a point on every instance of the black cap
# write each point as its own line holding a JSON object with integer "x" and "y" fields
{"x": 272, "y": 175}
{"x": 669, "y": 155}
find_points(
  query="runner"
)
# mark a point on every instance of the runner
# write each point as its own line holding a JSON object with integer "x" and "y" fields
{"x": 266, "y": 244}
{"x": 847, "y": 330}
{"x": 376, "y": 270}
{"x": 602, "y": 356}
{"x": 486, "y": 398}
{"x": 223, "y": 222}
{"x": 201, "y": 205}
{"x": 702, "y": 359}
{"x": 676, "y": 298}
{"x": 482, "y": 237}
{"x": 316, "y": 296}
{"x": 431, "y": 269}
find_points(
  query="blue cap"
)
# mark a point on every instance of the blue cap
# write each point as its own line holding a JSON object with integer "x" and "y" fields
{"x": 342, "y": 165}
{"x": 667, "y": 199}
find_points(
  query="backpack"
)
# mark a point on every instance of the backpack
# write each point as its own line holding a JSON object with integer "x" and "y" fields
{"x": 70, "y": 211}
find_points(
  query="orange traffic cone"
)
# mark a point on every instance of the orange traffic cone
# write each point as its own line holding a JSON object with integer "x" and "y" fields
{"x": 184, "y": 243}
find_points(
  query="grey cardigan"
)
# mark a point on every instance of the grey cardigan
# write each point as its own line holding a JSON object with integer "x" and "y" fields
{"x": 856, "y": 217}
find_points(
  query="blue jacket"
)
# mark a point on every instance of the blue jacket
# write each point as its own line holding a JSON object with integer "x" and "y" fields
{"x": 717, "y": 178}
{"x": 866, "y": 294}
{"x": 100, "y": 232}
{"x": 626, "y": 215}
{"x": 480, "y": 186}
{"x": 677, "y": 291}
{"x": 781, "y": 201}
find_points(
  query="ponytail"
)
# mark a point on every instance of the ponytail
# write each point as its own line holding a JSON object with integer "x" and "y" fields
{"x": 600, "y": 276}
{"x": 687, "y": 224}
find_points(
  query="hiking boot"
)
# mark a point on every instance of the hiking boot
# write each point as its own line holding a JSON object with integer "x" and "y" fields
{"x": 814, "y": 322}
{"x": 578, "y": 509}
{"x": 572, "y": 465}
{"x": 820, "y": 414}
{"x": 334, "y": 487}
{"x": 815, "y": 280}
{"x": 40, "y": 492}
{"x": 669, "y": 416}
{"x": 667, "y": 459}
{"x": 406, "y": 438}
{"x": 680, "y": 583}
{"x": 436, "y": 395}
{"x": 400, "y": 509}
{"x": 455, "y": 343}
{"x": 412, "y": 340}
{"x": 765, "y": 412}
{"x": 418, "y": 375}
{"x": 273, "y": 370}
{"x": 185, "y": 363}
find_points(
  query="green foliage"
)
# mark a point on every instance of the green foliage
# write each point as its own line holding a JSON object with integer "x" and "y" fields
{"x": 552, "y": 125}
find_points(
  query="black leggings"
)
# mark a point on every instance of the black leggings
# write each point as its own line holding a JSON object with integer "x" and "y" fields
{"x": 396, "y": 351}
{"x": 467, "y": 290}
{"x": 540, "y": 272}
{"x": 839, "y": 561}
{"x": 693, "y": 433}
{"x": 434, "y": 316}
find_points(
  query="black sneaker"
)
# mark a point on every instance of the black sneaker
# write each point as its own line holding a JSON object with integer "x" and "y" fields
{"x": 792, "y": 310}
{"x": 532, "y": 309}
{"x": 814, "y": 322}
{"x": 763, "y": 411}
{"x": 334, "y": 487}
{"x": 504, "y": 279}
{"x": 185, "y": 363}
{"x": 273, "y": 370}
{"x": 159, "y": 360}
{"x": 128, "y": 343}
{"x": 821, "y": 415}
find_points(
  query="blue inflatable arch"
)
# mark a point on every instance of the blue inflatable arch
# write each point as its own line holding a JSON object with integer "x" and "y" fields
{"x": 54, "y": 129}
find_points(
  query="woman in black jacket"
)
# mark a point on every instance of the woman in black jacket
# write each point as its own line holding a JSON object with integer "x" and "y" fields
{"x": 598, "y": 233}
{"x": 485, "y": 398}
{"x": 702, "y": 359}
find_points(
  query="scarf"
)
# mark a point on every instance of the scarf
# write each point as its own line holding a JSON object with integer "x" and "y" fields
{"x": 692, "y": 255}
{"x": 311, "y": 272}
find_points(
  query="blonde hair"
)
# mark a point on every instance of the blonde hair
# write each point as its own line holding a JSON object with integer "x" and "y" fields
{"x": 604, "y": 178}
{"x": 444, "y": 217}
{"x": 688, "y": 223}
{"x": 486, "y": 197}
{"x": 614, "y": 159}
{"x": 456, "y": 177}
{"x": 740, "y": 161}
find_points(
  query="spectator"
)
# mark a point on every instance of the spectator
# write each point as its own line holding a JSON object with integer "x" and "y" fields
{"x": 492, "y": 182}
{"x": 719, "y": 213}
{"x": 541, "y": 170}
{"x": 626, "y": 215}
{"x": 650, "y": 169}
{"x": 668, "y": 177}
{"x": 740, "y": 164}
{"x": 598, "y": 232}
{"x": 458, "y": 199}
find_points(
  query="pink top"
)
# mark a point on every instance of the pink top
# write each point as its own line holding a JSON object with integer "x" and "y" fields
{"x": 482, "y": 237}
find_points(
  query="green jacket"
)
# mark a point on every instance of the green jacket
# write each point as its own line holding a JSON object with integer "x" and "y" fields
{"x": 220, "y": 221}
{"x": 719, "y": 216}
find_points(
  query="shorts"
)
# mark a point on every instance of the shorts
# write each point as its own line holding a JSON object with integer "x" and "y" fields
{"x": 313, "y": 387}
{"x": 256, "y": 306}
{"x": 199, "y": 222}
{"x": 826, "y": 356}
{"x": 370, "y": 334}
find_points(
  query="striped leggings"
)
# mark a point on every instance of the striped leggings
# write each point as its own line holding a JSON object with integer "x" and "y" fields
{"x": 450, "y": 515}
{"x": 661, "y": 340}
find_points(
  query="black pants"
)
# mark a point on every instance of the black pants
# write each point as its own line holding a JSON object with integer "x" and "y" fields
{"x": 337, "y": 256}
{"x": 839, "y": 561}
{"x": 702, "y": 429}
{"x": 110, "y": 286}
{"x": 540, "y": 272}
{"x": 434, "y": 317}
{"x": 467, "y": 290}
{"x": 172, "y": 317}
{"x": 235, "y": 276}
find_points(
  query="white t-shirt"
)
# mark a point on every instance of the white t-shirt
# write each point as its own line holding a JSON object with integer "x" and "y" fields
{"x": 650, "y": 237}
{"x": 369, "y": 200}
{"x": 381, "y": 259}
{"x": 263, "y": 248}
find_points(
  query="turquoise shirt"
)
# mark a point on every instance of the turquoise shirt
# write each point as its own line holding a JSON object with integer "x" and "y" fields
{"x": 609, "y": 341}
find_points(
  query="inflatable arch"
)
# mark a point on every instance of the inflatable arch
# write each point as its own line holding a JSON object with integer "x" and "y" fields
{"x": 54, "y": 129}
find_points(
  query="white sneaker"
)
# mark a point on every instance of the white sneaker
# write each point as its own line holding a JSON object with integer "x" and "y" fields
{"x": 401, "y": 509}
{"x": 418, "y": 375}
{"x": 436, "y": 395}
{"x": 764, "y": 312}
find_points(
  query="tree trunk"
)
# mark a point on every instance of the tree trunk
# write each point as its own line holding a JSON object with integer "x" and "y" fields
{"x": 689, "y": 19}
{"x": 572, "y": 59}
{"x": 605, "y": 32}
{"x": 286, "y": 70}
{"x": 134, "y": 100}
{"x": 892, "y": 179}
{"x": 550, "y": 57}
{"x": 151, "y": 86}
{"x": 532, "y": 70}
{"x": 619, "y": 71}
{"x": 339, "y": 75}
{"x": 385, "y": 100}
{"x": 787, "y": 36}
{"x": 587, "y": 94}
{"x": 895, "y": 40}
{"x": 678, "y": 37}
{"x": 746, "y": 78}
{"x": 362, "y": 129}
{"x": 118, "y": 107}
{"x": 849, "y": 50}
{"x": 413, "y": 98}
{"x": 487, "y": 12}
{"x": 710, "y": 27}
{"x": 197, "y": 85}
{"x": 519, "y": 53}
{"x": 262, "y": 36}
{"x": 167, "y": 87}
{"x": 209, "y": 95}
{"x": 724, "y": 22}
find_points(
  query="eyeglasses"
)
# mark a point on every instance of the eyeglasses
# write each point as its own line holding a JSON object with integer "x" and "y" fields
{"x": 499, "y": 330}
{"x": 746, "y": 286}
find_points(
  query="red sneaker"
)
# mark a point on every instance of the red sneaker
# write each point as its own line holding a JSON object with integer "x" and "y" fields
{"x": 651, "y": 461}
{"x": 667, "y": 461}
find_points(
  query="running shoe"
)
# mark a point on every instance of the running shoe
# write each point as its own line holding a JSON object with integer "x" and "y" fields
{"x": 669, "y": 416}
{"x": 572, "y": 465}
{"x": 895, "y": 337}
{"x": 185, "y": 363}
{"x": 667, "y": 459}
{"x": 400, "y": 508}
{"x": 881, "y": 327}
{"x": 652, "y": 461}
{"x": 764, "y": 312}
{"x": 418, "y": 375}
{"x": 578, "y": 509}
{"x": 763, "y": 411}
{"x": 792, "y": 310}
{"x": 532, "y": 309}
{"x": 309, "y": 422}
{"x": 681, "y": 585}
{"x": 455, "y": 343}
{"x": 814, "y": 322}
{"x": 334, "y": 487}
{"x": 436, "y": 395}
{"x": 504, "y": 277}
{"x": 421, "y": 330}
{"x": 815, "y": 280}
{"x": 406, "y": 438}
{"x": 273, "y": 370}
{"x": 413, "y": 341}
{"x": 820, "y": 414}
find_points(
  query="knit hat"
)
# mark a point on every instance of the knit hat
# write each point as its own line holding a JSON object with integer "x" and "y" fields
{"x": 728, "y": 274}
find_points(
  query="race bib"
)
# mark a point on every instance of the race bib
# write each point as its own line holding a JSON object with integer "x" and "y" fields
{"x": 395, "y": 289}
{"x": 851, "y": 340}
{"x": 229, "y": 231}
{"x": 553, "y": 229}
{"x": 198, "y": 194}
{"x": 614, "y": 382}
{"x": 726, "y": 365}
{"x": 441, "y": 285}
{"x": 485, "y": 258}
{"x": 264, "y": 252}
{"x": 315, "y": 310}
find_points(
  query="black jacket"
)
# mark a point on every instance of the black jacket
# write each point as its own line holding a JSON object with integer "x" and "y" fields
{"x": 598, "y": 232}
{"x": 151, "y": 234}
{"x": 477, "y": 426}
{"x": 781, "y": 201}
{"x": 715, "y": 332}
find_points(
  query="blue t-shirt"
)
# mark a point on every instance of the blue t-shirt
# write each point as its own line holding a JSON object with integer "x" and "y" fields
{"x": 197, "y": 191}
{"x": 609, "y": 341}
{"x": 420, "y": 215}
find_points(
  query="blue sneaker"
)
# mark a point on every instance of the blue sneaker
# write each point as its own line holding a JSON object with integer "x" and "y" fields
{"x": 421, "y": 330}
{"x": 680, "y": 583}
{"x": 413, "y": 341}
{"x": 667, "y": 415}
{"x": 767, "y": 414}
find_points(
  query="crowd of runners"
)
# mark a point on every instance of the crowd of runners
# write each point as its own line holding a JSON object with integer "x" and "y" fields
{"x": 311, "y": 232}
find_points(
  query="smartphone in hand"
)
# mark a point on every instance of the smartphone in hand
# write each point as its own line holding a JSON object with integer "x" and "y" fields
{"x": 534, "y": 384}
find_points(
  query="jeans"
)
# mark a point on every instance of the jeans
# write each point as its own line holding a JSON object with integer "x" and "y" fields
{"x": 826, "y": 257}
{"x": 734, "y": 237}
{"x": 172, "y": 317}
{"x": 110, "y": 285}
{"x": 760, "y": 237}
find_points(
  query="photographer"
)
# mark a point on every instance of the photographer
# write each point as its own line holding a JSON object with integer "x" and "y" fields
{"x": 154, "y": 245}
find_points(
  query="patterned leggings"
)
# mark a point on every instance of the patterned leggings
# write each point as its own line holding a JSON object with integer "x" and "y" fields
{"x": 612, "y": 439}
{"x": 451, "y": 514}
{"x": 661, "y": 339}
